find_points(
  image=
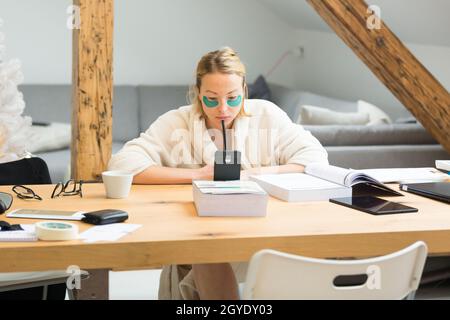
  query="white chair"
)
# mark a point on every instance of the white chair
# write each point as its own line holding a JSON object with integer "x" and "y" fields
{"x": 27, "y": 280}
{"x": 276, "y": 275}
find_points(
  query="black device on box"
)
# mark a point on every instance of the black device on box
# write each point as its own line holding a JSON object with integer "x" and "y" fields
{"x": 227, "y": 163}
{"x": 106, "y": 216}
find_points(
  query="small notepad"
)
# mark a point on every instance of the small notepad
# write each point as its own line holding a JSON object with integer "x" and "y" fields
{"x": 28, "y": 234}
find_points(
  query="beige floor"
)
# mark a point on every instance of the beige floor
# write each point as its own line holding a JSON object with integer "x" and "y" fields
{"x": 143, "y": 285}
{"x": 134, "y": 285}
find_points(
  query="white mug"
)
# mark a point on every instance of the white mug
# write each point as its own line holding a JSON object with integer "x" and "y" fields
{"x": 117, "y": 183}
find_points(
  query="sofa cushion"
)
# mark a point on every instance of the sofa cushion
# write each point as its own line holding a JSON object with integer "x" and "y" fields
{"x": 125, "y": 113}
{"x": 398, "y": 156}
{"x": 58, "y": 162}
{"x": 389, "y": 134}
{"x": 52, "y": 103}
{"x": 54, "y": 136}
{"x": 47, "y": 103}
{"x": 376, "y": 115}
{"x": 311, "y": 115}
{"x": 157, "y": 100}
{"x": 259, "y": 89}
{"x": 291, "y": 100}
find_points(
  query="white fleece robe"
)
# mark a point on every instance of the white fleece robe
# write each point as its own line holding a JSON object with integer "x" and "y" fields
{"x": 179, "y": 139}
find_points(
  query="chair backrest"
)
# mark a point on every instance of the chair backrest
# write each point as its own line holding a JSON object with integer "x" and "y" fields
{"x": 25, "y": 171}
{"x": 276, "y": 275}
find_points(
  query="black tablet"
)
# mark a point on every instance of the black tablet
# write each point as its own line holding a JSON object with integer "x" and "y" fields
{"x": 373, "y": 205}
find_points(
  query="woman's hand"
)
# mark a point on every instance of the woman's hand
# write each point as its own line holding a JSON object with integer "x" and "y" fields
{"x": 204, "y": 173}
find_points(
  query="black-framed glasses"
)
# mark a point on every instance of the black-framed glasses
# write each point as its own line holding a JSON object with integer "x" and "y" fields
{"x": 70, "y": 188}
{"x": 5, "y": 201}
{"x": 5, "y": 226}
{"x": 25, "y": 193}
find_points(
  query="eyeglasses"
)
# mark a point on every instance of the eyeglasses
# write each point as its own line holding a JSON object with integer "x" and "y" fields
{"x": 70, "y": 188}
{"x": 25, "y": 193}
{"x": 5, "y": 201}
{"x": 5, "y": 226}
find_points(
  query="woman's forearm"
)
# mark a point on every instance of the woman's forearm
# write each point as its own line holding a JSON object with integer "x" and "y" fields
{"x": 165, "y": 175}
{"x": 287, "y": 168}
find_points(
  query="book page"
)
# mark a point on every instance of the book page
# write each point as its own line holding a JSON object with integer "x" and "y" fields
{"x": 355, "y": 177}
{"x": 406, "y": 174}
{"x": 330, "y": 173}
{"x": 296, "y": 181}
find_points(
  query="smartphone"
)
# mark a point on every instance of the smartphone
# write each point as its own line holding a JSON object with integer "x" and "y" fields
{"x": 373, "y": 205}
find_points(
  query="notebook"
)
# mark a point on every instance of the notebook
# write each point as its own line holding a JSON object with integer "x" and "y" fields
{"x": 435, "y": 190}
{"x": 28, "y": 234}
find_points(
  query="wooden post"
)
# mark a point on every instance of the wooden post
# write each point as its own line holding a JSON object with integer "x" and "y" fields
{"x": 392, "y": 63}
{"x": 92, "y": 89}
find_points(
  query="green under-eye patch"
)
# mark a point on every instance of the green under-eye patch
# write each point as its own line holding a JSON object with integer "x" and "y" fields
{"x": 235, "y": 102}
{"x": 210, "y": 103}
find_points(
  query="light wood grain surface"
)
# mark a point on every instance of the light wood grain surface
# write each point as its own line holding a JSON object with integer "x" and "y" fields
{"x": 92, "y": 86}
{"x": 173, "y": 233}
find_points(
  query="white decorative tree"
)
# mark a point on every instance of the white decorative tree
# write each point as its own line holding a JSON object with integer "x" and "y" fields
{"x": 14, "y": 128}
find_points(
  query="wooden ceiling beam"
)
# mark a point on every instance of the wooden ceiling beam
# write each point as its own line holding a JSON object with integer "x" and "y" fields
{"x": 391, "y": 61}
{"x": 92, "y": 85}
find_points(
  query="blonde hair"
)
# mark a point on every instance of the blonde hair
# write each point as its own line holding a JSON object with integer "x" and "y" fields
{"x": 224, "y": 60}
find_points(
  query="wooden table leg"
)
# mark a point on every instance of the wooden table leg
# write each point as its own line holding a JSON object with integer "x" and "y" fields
{"x": 96, "y": 287}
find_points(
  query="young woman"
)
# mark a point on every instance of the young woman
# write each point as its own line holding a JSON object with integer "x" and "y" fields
{"x": 179, "y": 147}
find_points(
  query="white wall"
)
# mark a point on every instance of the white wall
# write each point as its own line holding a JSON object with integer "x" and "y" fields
{"x": 331, "y": 68}
{"x": 36, "y": 33}
{"x": 161, "y": 43}
{"x": 156, "y": 42}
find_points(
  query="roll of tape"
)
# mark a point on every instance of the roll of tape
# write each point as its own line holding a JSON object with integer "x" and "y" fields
{"x": 56, "y": 231}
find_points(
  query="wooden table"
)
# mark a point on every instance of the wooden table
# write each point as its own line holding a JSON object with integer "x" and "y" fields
{"x": 173, "y": 234}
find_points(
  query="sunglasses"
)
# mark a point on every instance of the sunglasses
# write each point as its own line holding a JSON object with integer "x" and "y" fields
{"x": 5, "y": 201}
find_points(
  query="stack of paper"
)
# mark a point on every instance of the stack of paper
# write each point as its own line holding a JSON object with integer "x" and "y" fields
{"x": 229, "y": 198}
{"x": 27, "y": 234}
{"x": 293, "y": 187}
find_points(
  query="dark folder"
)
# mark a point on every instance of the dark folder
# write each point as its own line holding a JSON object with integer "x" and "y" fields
{"x": 435, "y": 190}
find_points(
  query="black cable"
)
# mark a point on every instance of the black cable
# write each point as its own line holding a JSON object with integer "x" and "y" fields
{"x": 224, "y": 136}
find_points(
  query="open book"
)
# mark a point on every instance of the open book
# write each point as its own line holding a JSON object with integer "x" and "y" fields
{"x": 321, "y": 183}
{"x": 360, "y": 182}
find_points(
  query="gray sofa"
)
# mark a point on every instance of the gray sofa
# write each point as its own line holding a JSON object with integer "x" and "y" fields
{"x": 136, "y": 107}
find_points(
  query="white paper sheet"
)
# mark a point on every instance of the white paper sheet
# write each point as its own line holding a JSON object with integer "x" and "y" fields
{"x": 406, "y": 174}
{"x": 110, "y": 232}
